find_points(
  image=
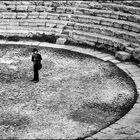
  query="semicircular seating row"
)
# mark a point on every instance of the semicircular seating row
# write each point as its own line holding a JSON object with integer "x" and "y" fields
{"x": 116, "y": 24}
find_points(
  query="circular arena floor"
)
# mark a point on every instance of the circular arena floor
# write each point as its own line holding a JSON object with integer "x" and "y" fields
{"x": 77, "y": 94}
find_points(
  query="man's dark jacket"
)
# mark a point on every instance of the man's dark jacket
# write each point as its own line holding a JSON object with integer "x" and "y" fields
{"x": 36, "y": 58}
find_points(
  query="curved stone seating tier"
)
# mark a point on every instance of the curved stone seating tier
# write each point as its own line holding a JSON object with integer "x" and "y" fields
{"x": 110, "y": 14}
{"x": 38, "y": 6}
{"x": 109, "y": 43}
{"x": 132, "y": 3}
{"x": 116, "y": 7}
{"x": 108, "y": 31}
{"x": 94, "y": 37}
{"x": 121, "y": 24}
{"x": 113, "y": 23}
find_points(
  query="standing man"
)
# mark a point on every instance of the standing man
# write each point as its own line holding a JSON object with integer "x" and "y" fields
{"x": 36, "y": 58}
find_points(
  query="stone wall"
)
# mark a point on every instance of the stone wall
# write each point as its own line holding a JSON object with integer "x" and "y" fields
{"x": 114, "y": 24}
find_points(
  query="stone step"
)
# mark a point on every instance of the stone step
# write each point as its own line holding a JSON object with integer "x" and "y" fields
{"x": 111, "y": 41}
{"x": 41, "y": 22}
{"x": 123, "y": 55}
{"x": 108, "y": 31}
{"x": 94, "y": 37}
{"x": 64, "y": 9}
{"x": 132, "y": 3}
{"x": 116, "y": 7}
{"x": 124, "y": 25}
{"x": 65, "y": 3}
{"x": 36, "y": 6}
{"x": 25, "y": 32}
{"x": 110, "y": 14}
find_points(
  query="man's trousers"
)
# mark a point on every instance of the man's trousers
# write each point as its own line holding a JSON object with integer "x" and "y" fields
{"x": 36, "y": 74}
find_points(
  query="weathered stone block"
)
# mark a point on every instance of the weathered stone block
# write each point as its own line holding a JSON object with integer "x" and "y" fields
{"x": 23, "y": 23}
{"x": 98, "y": 6}
{"x": 7, "y": 2}
{"x": 52, "y": 16}
{"x": 43, "y": 15}
{"x": 106, "y": 15}
{"x": 21, "y": 8}
{"x": 1, "y": 16}
{"x": 25, "y": 2}
{"x": 8, "y": 15}
{"x": 116, "y": 44}
{"x": 83, "y": 6}
{"x": 122, "y": 46}
{"x": 61, "y": 41}
{"x": 97, "y": 30}
{"x": 132, "y": 11}
{"x": 83, "y": 20}
{"x": 50, "y": 25}
{"x": 11, "y": 7}
{"x": 21, "y": 15}
{"x": 56, "y": 31}
{"x": 134, "y": 45}
{"x": 117, "y": 25}
{"x": 126, "y": 27}
{"x": 107, "y": 32}
{"x": 87, "y": 11}
{"x": 96, "y": 21}
{"x": 110, "y": 42}
{"x": 13, "y": 23}
{"x": 132, "y": 18}
{"x": 3, "y": 27}
{"x": 33, "y": 15}
{"x": 73, "y": 19}
{"x": 135, "y": 29}
{"x": 106, "y": 41}
{"x": 91, "y": 43}
{"x": 69, "y": 10}
{"x": 40, "y": 8}
{"x": 31, "y": 8}
{"x": 112, "y": 49}
{"x": 75, "y": 36}
{"x": 106, "y": 23}
{"x": 69, "y": 28}
{"x": 64, "y": 17}
{"x": 7, "y": 22}
{"x": 78, "y": 12}
{"x": 60, "y": 26}
{"x": 2, "y": 7}
{"x": 36, "y": 24}
{"x": 136, "y": 53}
{"x": 100, "y": 40}
{"x": 122, "y": 17}
{"x": 94, "y": 38}
{"x": 48, "y": 3}
{"x": 129, "y": 50}
{"x": 61, "y": 9}
{"x": 114, "y": 15}
{"x": 123, "y": 55}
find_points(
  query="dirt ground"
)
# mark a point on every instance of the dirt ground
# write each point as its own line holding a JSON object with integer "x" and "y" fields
{"x": 76, "y": 96}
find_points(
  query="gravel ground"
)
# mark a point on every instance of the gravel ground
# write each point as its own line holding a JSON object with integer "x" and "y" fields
{"x": 77, "y": 94}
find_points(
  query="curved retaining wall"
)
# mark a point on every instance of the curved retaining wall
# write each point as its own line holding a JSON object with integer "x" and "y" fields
{"x": 114, "y": 24}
